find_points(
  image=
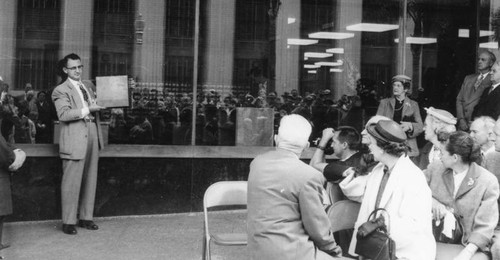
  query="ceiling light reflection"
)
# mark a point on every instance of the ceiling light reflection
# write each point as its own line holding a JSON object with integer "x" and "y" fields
{"x": 335, "y": 50}
{"x": 301, "y": 41}
{"x": 317, "y": 55}
{"x": 331, "y": 35}
{"x": 372, "y": 27}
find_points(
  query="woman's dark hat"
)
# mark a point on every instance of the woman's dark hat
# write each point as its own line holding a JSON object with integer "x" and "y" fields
{"x": 387, "y": 131}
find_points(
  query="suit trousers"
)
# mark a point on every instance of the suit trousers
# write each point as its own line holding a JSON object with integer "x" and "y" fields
{"x": 79, "y": 181}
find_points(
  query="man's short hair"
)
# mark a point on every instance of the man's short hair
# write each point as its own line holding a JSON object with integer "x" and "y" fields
{"x": 350, "y": 136}
{"x": 294, "y": 130}
{"x": 71, "y": 56}
{"x": 491, "y": 54}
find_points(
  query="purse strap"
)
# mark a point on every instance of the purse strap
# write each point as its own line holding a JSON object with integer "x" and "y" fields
{"x": 374, "y": 213}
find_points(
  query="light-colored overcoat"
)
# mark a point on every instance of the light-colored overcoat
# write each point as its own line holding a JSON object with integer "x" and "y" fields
{"x": 407, "y": 199}
{"x": 475, "y": 203}
{"x": 410, "y": 110}
{"x": 286, "y": 219}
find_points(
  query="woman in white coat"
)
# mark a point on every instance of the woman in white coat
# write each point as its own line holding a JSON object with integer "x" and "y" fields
{"x": 398, "y": 186}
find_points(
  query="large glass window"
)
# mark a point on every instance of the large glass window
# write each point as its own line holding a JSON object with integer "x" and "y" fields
{"x": 256, "y": 60}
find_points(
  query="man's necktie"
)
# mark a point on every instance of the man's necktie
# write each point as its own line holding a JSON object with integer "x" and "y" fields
{"x": 478, "y": 81}
{"x": 84, "y": 93}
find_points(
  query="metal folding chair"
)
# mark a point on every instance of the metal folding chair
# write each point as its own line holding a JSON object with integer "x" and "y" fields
{"x": 224, "y": 193}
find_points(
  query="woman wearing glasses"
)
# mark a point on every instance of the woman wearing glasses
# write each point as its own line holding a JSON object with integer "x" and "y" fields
{"x": 465, "y": 192}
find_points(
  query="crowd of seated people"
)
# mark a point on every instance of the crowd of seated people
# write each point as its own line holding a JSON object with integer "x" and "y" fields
{"x": 375, "y": 170}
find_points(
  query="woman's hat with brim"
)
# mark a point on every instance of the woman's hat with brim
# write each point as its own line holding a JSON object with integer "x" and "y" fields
{"x": 401, "y": 78}
{"x": 442, "y": 115}
{"x": 387, "y": 131}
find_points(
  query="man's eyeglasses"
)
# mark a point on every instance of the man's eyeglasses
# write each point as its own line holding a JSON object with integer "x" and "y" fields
{"x": 75, "y": 67}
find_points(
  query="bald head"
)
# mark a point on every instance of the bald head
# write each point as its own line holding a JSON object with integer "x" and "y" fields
{"x": 481, "y": 129}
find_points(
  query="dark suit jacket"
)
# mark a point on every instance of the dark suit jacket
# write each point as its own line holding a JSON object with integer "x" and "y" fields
{"x": 286, "y": 218}
{"x": 7, "y": 157}
{"x": 468, "y": 97}
{"x": 73, "y": 126}
{"x": 489, "y": 104}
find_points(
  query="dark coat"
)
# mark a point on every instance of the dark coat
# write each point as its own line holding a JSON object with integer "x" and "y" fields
{"x": 489, "y": 104}
{"x": 7, "y": 157}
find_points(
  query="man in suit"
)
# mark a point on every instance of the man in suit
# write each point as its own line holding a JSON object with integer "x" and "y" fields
{"x": 472, "y": 89}
{"x": 286, "y": 219}
{"x": 489, "y": 104}
{"x": 79, "y": 142}
{"x": 493, "y": 165}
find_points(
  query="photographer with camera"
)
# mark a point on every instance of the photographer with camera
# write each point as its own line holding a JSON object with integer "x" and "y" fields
{"x": 343, "y": 144}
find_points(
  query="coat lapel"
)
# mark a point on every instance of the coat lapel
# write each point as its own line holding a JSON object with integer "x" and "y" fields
{"x": 392, "y": 102}
{"x": 75, "y": 96}
{"x": 395, "y": 178}
{"x": 449, "y": 182}
{"x": 469, "y": 181}
{"x": 406, "y": 106}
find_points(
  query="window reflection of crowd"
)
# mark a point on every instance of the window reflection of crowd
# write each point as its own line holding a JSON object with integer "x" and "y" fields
{"x": 159, "y": 116}
{"x": 26, "y": 118}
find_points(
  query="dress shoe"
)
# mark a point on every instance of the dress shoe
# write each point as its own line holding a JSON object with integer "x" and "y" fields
{"x": 69, "y": 229}
{"x": 3, "y": 246}
{"x": 88, "y": 224}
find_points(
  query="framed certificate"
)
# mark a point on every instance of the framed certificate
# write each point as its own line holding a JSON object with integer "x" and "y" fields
{"x": 112, "y": 91}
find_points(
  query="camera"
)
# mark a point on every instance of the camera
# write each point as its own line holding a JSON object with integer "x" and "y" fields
{"x": 328, "y": 148}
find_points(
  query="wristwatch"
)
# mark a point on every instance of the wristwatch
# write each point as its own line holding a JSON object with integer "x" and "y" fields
{"x": 321, "y": 147}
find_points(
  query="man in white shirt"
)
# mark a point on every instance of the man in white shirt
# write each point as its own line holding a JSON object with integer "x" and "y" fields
{"x": 472, "y": 89}
{"x": 79, "y": 142}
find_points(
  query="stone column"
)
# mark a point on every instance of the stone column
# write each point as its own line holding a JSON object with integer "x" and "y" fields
{"x": 8, "y": 20}
{"x": 219, "y": 55}
{"x": 287, "y": 56}
{"x": 148, "y": 58}
{"x": 76, "y": 34}
{"x": 348, "y": 12}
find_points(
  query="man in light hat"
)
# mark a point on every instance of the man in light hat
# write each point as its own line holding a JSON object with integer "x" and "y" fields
{"x": 437, "y": 121}
{"x": 472, "y": 89}
{"x": 403, "y": 111}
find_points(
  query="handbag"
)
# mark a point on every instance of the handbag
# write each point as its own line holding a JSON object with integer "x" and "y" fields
{"x": 373, "y": 238}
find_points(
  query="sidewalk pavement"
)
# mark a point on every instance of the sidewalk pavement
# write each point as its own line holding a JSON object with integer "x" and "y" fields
{"x": 172, "y": 236}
